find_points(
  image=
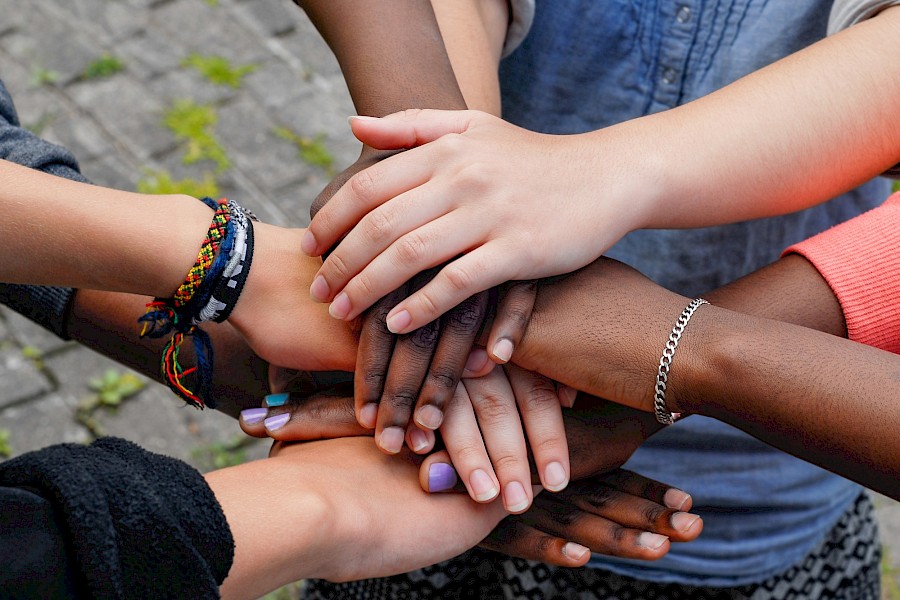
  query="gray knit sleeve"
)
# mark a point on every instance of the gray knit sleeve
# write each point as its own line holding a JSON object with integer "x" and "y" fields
{"x": 845, "y": 13}
{"x": 46, "y": 306}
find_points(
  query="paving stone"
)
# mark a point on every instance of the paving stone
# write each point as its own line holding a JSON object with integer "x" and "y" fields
{"x": 53, "y": 45}
{"x": 150, "y": 55}
{"x": 109, "y": 21}
{"x": 41, "y": 423}
{"x": 129, "y": 111}
{"x": 187, "y": 84}
{"x": 268, "y": 160}
{"x": 208, "y": 29}
{"x": 28, "y": 333}
{"x": 111, "y": 170}
{"x": 82, "y": 136}
{"x": 273, "y": 17}
{"x": 20, "y": 379}
{"x": 13, "y": 16}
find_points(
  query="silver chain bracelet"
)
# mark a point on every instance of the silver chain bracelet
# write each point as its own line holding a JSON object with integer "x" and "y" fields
{"x": 662, "y": 374}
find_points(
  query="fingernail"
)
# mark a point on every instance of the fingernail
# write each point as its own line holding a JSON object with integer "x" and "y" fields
{"x": 676, "y": 499}
{"x": 340, "y": 306}
{"x": 483, "y": 486}
{"x": 252, "y": 416}
{"x": 273, "y": 400}
{"x": 651, "y": 540}
{"x": 368, "y": 414}
{"x": 308, "y": 243}
{"x": 429, "y": 417}
{"x": 441, "y": 477}
{"x": 391, "y": 440}
{"x": 478, "y": 358}
{"x": 503, "y": 350}
{"x": 398, "y": 322}
{"x": 683, "y": 521}
{"x": 555, "y": 478}
{"x": 514, "y": 498}
{"x": 277, "y": 422}
{"x": 567, "y": 396}
{"x": 351, "y": 118}
{"x": 418, "y": 439}
{"x": 574, "y": 551}
{"x": 319, "y": 289}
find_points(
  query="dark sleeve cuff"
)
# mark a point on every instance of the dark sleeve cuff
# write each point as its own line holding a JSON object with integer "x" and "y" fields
{"x": 136, "y": 524}
{"x": 46, "y": 306}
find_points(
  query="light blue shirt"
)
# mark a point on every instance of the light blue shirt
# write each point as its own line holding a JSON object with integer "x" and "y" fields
{"x": 587, "y": 64}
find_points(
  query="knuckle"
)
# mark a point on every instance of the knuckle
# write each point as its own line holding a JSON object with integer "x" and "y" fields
{"x": 467, "y": 454}
{"x": 565, "y": 514}
{"x": 468, "y": 316}
{"x": 543, "y": 545}
{"x": 443, "y": 378}
{"x": 366, "y": 284}
{"x": 493, "y": 407}
{"x": 452, "y": 143}
{"x": 337, "y": 266}
{"x": 363, "y": 185}
{"x": 654, "y": 514}
{"x": 459, "y": 278}
{"x": 411, "y": 249}
{"x": 374, "y": 380}
{"x": 400, "y": 400}
{"x": 516, "y": 316}
{"x": 539, "y": 397}
{"x": 425, "y": 337}
{"x": 600, "y": 498}
{"x": 377, "y": 226}
{"x": 506, "y": 461}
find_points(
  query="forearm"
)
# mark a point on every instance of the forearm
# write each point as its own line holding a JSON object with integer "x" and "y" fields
{"x": 474, "y": 32}
{"x": 392, "y": 56}
{"x": 106, "y": 322}
{"x": 787, "y": 137}
{"x": 764, "y": 369}
{"x": 67, "y": 233}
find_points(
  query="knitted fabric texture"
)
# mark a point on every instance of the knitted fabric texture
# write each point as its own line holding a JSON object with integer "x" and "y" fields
{"x": 138, "y": 525}
{"x": 860, "y": 260}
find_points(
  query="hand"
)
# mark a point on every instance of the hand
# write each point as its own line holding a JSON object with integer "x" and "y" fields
{"x": 338, "y": 510}
{"x": 455, "y": 197}
{"x": 485, "y": 442}
{"x": 277, "y": 319}
{"x": 617, "y": 514}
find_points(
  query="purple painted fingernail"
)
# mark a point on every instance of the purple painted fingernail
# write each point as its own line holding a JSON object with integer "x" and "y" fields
{"x": 441, "y": 477}
{"x": 252, "y": 416}
{"x": 277, "y": 422}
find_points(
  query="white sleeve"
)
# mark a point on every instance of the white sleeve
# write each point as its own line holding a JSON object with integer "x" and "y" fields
{"x": 845, "y": 13}
{"x": 521, "y": 15}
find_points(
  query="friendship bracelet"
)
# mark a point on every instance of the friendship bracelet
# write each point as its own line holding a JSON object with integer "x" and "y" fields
{"x": 662, "y": 374}
{"x": 208, "y": 293}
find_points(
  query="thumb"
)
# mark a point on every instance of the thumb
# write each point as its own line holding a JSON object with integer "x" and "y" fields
{"x": 410, "y": 128}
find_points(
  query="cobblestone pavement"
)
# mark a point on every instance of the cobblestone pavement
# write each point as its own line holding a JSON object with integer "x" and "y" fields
{"x": 100, "y": 77}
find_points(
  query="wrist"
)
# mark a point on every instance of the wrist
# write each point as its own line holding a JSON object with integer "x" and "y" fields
{"x": 281, "y": 524}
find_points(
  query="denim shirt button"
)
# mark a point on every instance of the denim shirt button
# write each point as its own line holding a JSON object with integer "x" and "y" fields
{"x": 684, "y": 14}
{"x": 669, "y": 75}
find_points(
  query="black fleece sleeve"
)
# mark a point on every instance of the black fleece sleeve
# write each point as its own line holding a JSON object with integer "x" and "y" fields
{"x": 122, "y": 523}
{"x": 44, "y": 305}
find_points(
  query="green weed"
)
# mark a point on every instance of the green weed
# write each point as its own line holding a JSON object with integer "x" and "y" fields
{"x": 218, "y": 70}
{"x": 104, "y": 66}
{"x": 310, "y": 150}
{"x": 5, "y": 446}
{"x": 193, "y": 124}
{"x": 109, "y": 391}
{"x": 41, "y": 76}
{"x": 219, "y": 455}
{"x": 161, "y": 182}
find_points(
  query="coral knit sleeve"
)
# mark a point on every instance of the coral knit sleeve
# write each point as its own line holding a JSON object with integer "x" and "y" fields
{"x": 860, "y": 260}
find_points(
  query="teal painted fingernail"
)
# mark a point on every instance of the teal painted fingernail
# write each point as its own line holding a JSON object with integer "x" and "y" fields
{"x": 273, "y": 400}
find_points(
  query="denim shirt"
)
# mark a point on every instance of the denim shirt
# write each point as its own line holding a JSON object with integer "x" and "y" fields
{"x": 587, "y": 64}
